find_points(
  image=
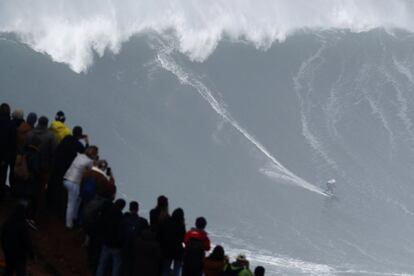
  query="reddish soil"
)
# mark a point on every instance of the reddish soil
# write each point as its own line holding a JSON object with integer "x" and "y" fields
{"x": 58, "y": 251}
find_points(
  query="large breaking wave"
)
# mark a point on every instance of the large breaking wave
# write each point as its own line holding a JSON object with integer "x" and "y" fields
{"x": 323, "y": 103}
{"x": 73, "y": 31}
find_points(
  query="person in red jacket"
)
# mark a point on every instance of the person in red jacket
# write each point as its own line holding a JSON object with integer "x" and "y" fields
{"x": 196, "y": 244}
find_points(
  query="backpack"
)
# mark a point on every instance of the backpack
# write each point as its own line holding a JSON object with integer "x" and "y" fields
{"x": 193, "y": 255}
{"x": 229, "y": 271}
{"x": 21, "y": 170}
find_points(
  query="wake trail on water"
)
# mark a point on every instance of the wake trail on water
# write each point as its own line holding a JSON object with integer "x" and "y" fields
{"x": 165, "y": 61}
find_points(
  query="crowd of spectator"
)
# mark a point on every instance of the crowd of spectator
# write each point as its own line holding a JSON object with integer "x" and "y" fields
{"x": 48, "y": 166}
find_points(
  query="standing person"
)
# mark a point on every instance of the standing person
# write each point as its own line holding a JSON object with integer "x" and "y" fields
{"x": 22, "y": 134}
{"x": 16, "y": 243}
{"x": 72, "y": 181}
{"x": 215, "y": 263}
{"x": 65, "y": 153}
{"x": 159, "y": 213}
{"x": 47, "y": 148}
{"x": 240, "y": 267}
{"x": 196, "y": 244}
{"x": 58, "y": 127}
{"x": 93, "y": 226}
{"x": 28, "y": 178}
{"x": 6, "y": 142}
{"x": 171, "y": 237}
{"x": 112, "y": 238}
{"x": 148, "y": 255}
{"x": 31, "y": 119}
{"x": 17, "y": 124}
{"x": 132, "y": 226}
{"x": 97, "y": 182}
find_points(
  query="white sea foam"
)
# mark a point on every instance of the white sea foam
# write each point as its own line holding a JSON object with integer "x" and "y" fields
{"x": 70, "y": 31}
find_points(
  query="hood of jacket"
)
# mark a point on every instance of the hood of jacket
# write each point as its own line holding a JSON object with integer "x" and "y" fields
{"x": 60, "y": 130}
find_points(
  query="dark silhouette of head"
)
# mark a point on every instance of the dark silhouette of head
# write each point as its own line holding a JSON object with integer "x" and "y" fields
{"x": 92, "y": 152}
{"x": 217, "y": 254}
{"x": 120, "y": 204}
{"x": 4, "y": 110}
{"x": 31, "y": 119}
{"x": 178, "y": 215}
{"x": 43, "y": 122}
{"x": 18, "y": 114}
{"x": 162, "y": 202}
{"x": 133, "y": 207}
{"x": 60, "y": 116}
{"x": 241, "y": 260}
{"x": 102, "y": 165}
{"x": 259, "y": 271}
{"x": 77, "y": 132}
{"x": 201, "y": 223}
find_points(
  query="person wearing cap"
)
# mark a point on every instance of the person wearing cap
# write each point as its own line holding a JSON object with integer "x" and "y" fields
{"x": 65, "y": 153}
{"x": 240, "y": 267}
{"x": 58, "y": 127}
{"x": 330, "y": 186}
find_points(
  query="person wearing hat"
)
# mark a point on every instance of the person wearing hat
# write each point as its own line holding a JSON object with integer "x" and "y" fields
{"x": 65, "y": 153}
{"x": 58, "y": 127}
{"x": 240, "y": 267}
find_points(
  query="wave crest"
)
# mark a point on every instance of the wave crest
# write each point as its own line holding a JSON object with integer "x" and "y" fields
{"x": 71, "y": 31}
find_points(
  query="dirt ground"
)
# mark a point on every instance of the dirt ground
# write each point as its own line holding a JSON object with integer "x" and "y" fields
{"x": 58, "y": 251}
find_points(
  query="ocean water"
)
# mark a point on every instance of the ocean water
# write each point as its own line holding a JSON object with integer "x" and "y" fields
{"x": 241, "y": 127}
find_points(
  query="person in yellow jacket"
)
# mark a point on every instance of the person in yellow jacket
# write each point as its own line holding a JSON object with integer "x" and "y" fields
{"x": 58, "y": 127}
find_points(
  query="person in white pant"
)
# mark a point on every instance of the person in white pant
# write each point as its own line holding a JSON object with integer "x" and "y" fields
{"x": 72, "y": 180}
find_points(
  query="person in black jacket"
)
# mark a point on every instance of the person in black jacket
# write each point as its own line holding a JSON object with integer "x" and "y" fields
{"x": 132, "y": 227}
{"x": 159, "y": 213}
{"x": 6, "y": 145}
{"x": 148, "y": 255}
{"x": 16, "y": 243}
{"x": 33, "y": 185}
{"x": 112, "y": 238}
{"x": 65, "y": 153}
{"x": 16, "y": 121}
{"x": 171, "y": 237}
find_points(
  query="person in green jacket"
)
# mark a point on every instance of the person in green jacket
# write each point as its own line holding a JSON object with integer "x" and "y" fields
{"x": 240, "y": 267}
{"x": 58, "y": 127}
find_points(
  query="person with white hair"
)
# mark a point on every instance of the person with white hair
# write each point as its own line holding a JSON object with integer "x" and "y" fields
{"x": 330, "y": 186}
